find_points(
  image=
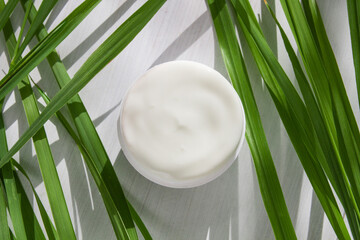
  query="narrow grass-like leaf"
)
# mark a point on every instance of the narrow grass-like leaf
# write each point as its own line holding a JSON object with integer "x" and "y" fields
{"x": 115, "y": 217}
{"x": 104, "y": 54}
{"x": 330, "y": 166}
{"x": 12, "y": 236}
{"x": 44, "y": 10}
{"x": 268, "y": 181}
{"x": 94, "y": 172}
{"x": 32, "y": 226}
{"x": 306, "y": 91}
{"x": 4, "y": 229}
{"x": 14, "y": 200}
{"x": 139, "y": 223}
{"x": 12, "y": 194}
{"x": 325, "y": 78}
{"x": 49, "y": 227}
{"x": 114, "y": 44}
{"x": 348, "y": 131}
{"x": 353, "y": 7}
{"x": 23, "y": 218}
{"x": 87, "y": 131}
{"x": 6, "y": 11}
{"x": 45, "y": 47}
{"x": 19, "y": 206}
{"x": 47, "y": 166}
{"x": 293, "y": 114}
{"x": 45, "y": 159}
{"x": 27, "y": 12}
{"x": 314, "y": 113}
{"x": 119, "y": 215}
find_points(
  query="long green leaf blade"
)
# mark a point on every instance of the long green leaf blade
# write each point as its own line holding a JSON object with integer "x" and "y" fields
{"x": 91, "y": 139}
{"x": 12, "y": 193}
{"x": 14, "y": 201}
{"x": 47, "y": 166}
{"x": 108, "y": 200}
{"x": 294, "y": 117}
{"x": 49, "y": 227}
{"x": 45, "y": 47}
{"x": 268, "y": 181}
{"x": 45, "y": 159}
{"x": 21, "y": 31}
{"x": 4, "y": 229}
{"x": 114, "y": 44}
{"x": 32, "y": 226}
{"x": 139, "y": 223}
{"x": 6, "y": 11}
{"x": 348, "y": 131}
{"x": 353, "y": 7}
{"x": 325, "y": 78}
{"x": 44, "y": 10}
{"x": 19, "y": 206}
{"x": 115, "y": 217}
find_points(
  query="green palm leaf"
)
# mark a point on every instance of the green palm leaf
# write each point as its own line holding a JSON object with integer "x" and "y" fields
{"x": 45, "y": 47}
{"x": 6, "y": 11}
{"x": 103, "y": 187}
{"x": 27, "y": 11}
{"x": 4, "y": 229}
{"x": 12, "y": 194}
{"x": 325, "y": 79}
{"x": 353, "y": 7}
{"x": 14, "y": 203}
{"x": 32, "y": 226}
{"x": 105, "y": 53}
{"x": 293, "y": 113}
{"x": 268, "y": 181}
{"x": 42, "y": 148}
{"x": 347, "y": 129}
{"x": 23, "y": 219}
{"x": 49, "y": 227}
{"x": 44, "y": 10}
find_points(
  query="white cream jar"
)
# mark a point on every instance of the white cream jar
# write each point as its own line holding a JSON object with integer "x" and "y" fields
{"x": 181, "y": 124}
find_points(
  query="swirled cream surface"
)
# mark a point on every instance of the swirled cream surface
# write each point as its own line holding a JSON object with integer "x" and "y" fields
{"x": 181, "y": 124}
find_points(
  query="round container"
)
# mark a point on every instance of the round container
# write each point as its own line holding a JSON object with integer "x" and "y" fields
{"x": 181, "y": 124}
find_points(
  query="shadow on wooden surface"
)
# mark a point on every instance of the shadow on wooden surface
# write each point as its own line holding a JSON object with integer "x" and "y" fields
{"x": 55, "y": 12}
{"x": 185, "y": 40}
{"x": 184, "y": 213}
{"x": 83, "y": 47}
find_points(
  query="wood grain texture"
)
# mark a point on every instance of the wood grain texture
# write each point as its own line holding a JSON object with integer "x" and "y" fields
{"x": 229, "y": 207}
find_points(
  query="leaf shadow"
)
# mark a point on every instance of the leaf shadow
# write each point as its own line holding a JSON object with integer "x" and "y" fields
{"x": 185, "y": 39}
{"x": 194, "y": 208}
{"x": 84, "y": 46}
{"x": 97, "y": 121}
{"x": 55, "y": 12}
{"x": 86, "y": 202}
{"x": 316, "y": 218}
{"x": 284, "y": 156}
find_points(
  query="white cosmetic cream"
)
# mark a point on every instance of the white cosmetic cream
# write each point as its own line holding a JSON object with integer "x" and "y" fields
{"x": 181, "y": 124}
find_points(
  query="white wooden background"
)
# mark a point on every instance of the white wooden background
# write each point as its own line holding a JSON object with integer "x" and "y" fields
{"x": 229, "y": 207}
